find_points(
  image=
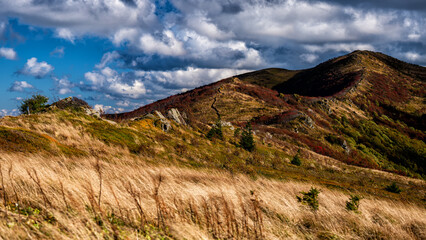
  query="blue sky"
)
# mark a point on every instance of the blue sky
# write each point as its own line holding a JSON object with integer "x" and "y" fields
{"x": 122, "y": 54}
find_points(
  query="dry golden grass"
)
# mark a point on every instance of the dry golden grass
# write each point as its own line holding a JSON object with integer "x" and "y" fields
{"x": 117, "y": 197}
{"x": 113, "y": 194}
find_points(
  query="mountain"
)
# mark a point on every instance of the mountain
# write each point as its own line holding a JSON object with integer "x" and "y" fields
{"x": 373, "y": 103}
{"x": 339, "y": 153}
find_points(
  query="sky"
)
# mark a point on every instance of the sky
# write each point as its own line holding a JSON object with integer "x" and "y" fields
{"x": 122, "y": 54}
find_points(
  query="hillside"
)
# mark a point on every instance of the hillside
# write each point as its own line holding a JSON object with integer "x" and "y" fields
{"x": 158, "y": 172}
{"x": 371, "y": 102}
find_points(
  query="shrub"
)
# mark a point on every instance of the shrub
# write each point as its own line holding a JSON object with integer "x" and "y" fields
{"x": 35, "y": 104}
{"x": 237, "y": 132}
{"x": 247, "y": 140}
{"x": 215, "y": 132}
{"x": 310, "y": 198}
{"x": 393, "y": 188}
{"x": 353, "y": 203}
{"x": 296, "y": 159}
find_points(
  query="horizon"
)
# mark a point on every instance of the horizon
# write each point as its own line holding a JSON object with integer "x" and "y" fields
{"x": 124, "y": 54}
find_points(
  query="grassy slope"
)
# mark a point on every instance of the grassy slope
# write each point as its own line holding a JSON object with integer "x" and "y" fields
{"x": 209, "y": 189}
{"x": 381, "y": 94}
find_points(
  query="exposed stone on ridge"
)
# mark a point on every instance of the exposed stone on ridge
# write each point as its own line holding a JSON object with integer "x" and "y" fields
{"x": 175, "y": 115}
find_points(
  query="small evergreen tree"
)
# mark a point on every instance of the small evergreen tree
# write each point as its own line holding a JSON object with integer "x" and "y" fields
{"x": 215, "y": 131}
{"x": 296, "y": 159}
{"x": 393, "y": 188}
{"x": 247, "y": 140}
{"x": 35, "y": 104}
{"x": 310, "y": 198}
{"x": 353, "y": 203}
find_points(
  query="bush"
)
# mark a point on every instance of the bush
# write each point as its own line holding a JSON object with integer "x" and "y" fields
{"x": 247, "y": 140}
{"x": 353, "y": 203}
{"x": 310, "y": 198}
{"x": 35, "y": 104}
{"x": 393, "y": 188}
{"x": 215, "y": 132}
{"x": 296, "y": 159}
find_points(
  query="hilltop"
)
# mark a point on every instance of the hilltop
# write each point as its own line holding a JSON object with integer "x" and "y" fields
{"x": 156, "y": 173}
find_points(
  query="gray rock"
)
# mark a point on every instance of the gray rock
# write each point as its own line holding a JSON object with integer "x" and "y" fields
{"x": 93, "y": 112}
{"x": 346, "y": 147}
{"x": 165, "y": 124}
{"x": 175, "y": 115}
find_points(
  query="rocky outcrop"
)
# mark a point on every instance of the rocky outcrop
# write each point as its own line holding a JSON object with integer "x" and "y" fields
{"x": 71, "y": 102}
{"x": 346, "y": 147}
{"x": 92, "y": 112}
{"x": 165, "y": 124}
{"x": 175, "y": 115}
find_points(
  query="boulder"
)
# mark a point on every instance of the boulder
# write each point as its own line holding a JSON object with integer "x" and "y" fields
{"x": 175, "y": 115}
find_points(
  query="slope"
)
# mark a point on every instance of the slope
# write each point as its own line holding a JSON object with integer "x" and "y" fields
{"x": 364, "y": 108}
{"x": 132, "y": 180}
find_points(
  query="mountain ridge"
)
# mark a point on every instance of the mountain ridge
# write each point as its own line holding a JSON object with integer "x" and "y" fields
{"x": 300, "y": 104}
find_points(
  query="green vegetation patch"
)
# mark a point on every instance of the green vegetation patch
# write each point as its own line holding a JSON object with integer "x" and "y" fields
{"x": 391, "y": 149}
{"x": 21, "y": 140}
{"x": 111, "y": 134}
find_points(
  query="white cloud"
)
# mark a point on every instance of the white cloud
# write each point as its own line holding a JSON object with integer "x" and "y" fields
{"x": 203, "y": 49}
{"x": 72, "y": 19}
{"x": 144, "y": 85}
{"x": 8, "y": 53}
{"x": 188, "y": 78}
{"x": 63, "y": 85}
{"x": 414, "y": 57}
{"x": 107, "y": 109}
{"x": 202, "y": 25}
{"x": 125, "y": 34}
{"x": 117, "y": 84}
{"x": 123, "y": 103}
{"x": 20, "y": 86}
{"x": 107, "y": 58}
{"x": 36, "y": 69}
{"x": 168, "y": 45}
{"x": 9, "y": 112}
{"x": 66, "y": 34}
{"x": 308, "y": 57}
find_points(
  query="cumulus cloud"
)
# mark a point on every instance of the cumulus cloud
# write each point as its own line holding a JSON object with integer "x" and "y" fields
{"x": 167, "y": 44}
{"x": 66, "y": 34}
{"x": 107, "y": 58}
{"x": 149, "y": 85}
{"x": 116, "y": 84}
{"x": 187, "y": 78}
{"x": 168, "y": 49}
{"x": 8, "y": 53}
{"x": 307, "y": 57}
{"x": 63, "y": 85}
{"x": 203, "y": 33}
{"x": 265, "y": 22}
{"x": 20, "y": 86}
{"x": 415, "y": 57}
{"x": 35, "y": 68}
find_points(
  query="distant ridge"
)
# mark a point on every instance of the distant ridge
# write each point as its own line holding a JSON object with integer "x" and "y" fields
{"x": 329, "y": 78}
